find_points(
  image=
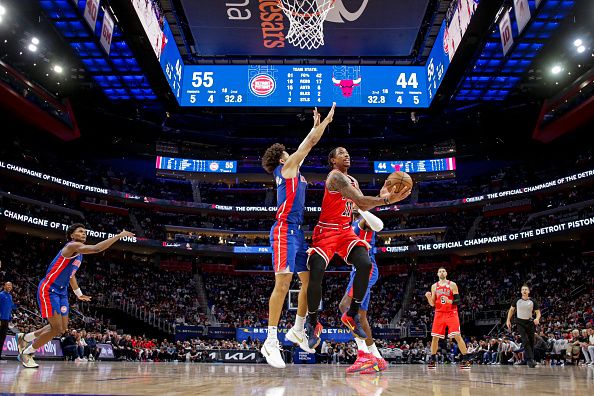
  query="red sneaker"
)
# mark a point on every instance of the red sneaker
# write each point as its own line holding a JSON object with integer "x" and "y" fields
{"x": 382, "y": 364}
{"x": 364, "y": 361}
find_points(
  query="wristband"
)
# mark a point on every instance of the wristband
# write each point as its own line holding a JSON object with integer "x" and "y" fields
{"x": 78, "y": 292}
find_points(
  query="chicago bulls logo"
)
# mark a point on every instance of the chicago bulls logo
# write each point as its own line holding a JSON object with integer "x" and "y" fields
{"x": 346, "y": 86}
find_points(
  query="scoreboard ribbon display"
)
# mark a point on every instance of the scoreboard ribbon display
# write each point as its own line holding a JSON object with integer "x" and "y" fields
{"x": 299, "y": 85}
{"x": 416, "y": 166}
{"x": 194, "y": 165}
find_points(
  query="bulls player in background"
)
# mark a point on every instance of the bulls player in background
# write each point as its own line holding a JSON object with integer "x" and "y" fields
{"x": 334, "y": 235}
{"x": 445, "y": 298}
{"x": 369, "y": 360}
{"x": 52, "y": 293}
{"x": 287, "y": 239}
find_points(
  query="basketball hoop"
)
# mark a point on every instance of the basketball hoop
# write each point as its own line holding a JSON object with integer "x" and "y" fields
{"x": 306, "y": 18}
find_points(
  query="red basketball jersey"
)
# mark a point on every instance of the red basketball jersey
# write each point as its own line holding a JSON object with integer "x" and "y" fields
{"x": 336, "y": 210}
{"x": 443, "y": 292}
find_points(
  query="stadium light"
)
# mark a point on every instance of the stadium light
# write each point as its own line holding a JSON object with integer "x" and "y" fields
{"x": 32, "y": 47}
{"x": 2, "y": 10}
{"x": 35, "y": 41}
{"x": 556, "y": 69}
{"x": 58, "y": 69}
{"x": 578, "y": 42}
{"x": 581, "y": 49}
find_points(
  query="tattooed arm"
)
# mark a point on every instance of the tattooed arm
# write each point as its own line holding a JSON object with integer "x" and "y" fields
{"x": 340, "y": 183}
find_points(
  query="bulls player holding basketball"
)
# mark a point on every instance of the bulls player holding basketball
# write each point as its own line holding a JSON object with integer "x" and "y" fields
{"x": 369, "y": 360}
{"x": 333, "y": 235}
{"x": 445, "y": 298}
{"x": 287, "y": 239}
{"x": 52, "y": 293}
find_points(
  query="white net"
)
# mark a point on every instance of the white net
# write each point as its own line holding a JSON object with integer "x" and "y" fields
{"x": 306, "y": 18}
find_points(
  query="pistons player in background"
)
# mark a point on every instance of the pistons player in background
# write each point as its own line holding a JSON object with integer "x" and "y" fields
{"x": 52, "y": 293}
{"x": 369, "y": 360}
{"x": 333, "y": 235}
{"x": 444, "y": 296}
{"x": 287, "y": 239}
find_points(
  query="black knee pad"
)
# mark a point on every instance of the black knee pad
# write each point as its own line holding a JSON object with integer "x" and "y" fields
{"x": 359, "y": 258}
{"x": 317, "y": 266}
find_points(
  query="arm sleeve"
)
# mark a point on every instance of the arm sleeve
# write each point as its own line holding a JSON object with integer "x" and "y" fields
{"x": 456, "y": 299}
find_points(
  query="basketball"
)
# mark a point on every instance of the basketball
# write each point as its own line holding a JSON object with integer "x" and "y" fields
{"x": 398, "y": 180}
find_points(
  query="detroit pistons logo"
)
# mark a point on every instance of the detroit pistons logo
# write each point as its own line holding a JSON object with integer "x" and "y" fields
{"x": 214, "y": 166}
{"x": 445, "y": 42}
{"x": 63, "y": 309}
{"x": 262, "y": 85}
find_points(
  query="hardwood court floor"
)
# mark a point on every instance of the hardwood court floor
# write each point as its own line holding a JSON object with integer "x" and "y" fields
{"x": 120, "y": 378}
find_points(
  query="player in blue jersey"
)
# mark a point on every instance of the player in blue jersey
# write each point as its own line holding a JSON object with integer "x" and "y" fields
{"x": 369, "y": 360}
{"x": 287, "y": 239}
{"x": 52, "y": 293}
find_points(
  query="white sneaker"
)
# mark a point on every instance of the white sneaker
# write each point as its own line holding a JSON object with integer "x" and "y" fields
{"x": 271, "y": 351}
{"x": 299, "y": 338}
{"x": 28, "y": 361}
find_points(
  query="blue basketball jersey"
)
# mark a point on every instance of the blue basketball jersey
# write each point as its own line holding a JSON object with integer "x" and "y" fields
{"x": 368, "y": 236}
{"x": 61, "y": 269}
{"x": 290, "y": 197}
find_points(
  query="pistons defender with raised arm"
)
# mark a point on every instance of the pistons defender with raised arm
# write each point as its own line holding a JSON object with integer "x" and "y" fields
{"x": 444, "y": 296}
{"x": 334, "y": 235}
{"x": 287, "y": 239}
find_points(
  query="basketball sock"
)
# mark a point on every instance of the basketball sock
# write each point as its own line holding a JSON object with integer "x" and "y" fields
{"x": 29, "y": 337}
{"x": 361, "y": 345}
{"x": 299, "y": 323}
{"x": 354, "y": 308}
{"x": 312, "y": 318}
{"x": 29, "y": 350}
{"x": 433, "y": 358}
{"x": 272, "y": 333}
{"x": 373, "y": 349}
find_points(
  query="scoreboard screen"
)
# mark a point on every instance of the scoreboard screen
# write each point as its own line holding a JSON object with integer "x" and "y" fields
{"x": 304, "y": 86}
{"x": 194, "y": 165}
{"x": 416, "y": 166}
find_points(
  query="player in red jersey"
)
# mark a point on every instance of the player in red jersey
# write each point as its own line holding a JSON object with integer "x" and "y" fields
{"x": 333, "y": 235}
{"x": 445, "y": 298}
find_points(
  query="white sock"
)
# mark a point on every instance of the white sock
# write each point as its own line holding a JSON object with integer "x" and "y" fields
{"x": 361, "y": 345}
{"x": 29, "y": 350}
{"x": 29, "y": 337}
{"x": 272, "y": 333}
{"x": 373, "y": 349}
{"x": 299, "y": 323}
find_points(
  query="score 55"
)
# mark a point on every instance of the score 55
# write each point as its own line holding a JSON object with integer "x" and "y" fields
{"x": 202, "y": 79}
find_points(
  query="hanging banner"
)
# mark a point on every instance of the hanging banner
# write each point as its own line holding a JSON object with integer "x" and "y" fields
{"x": 522, "y": 10}
{"x": 107, "y": 32}
{"x": 91, "y": 11}
{"x": 507, "y": 38}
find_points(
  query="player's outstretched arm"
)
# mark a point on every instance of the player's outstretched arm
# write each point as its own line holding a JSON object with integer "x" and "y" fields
{"x": 339, "y": 182}
{"x": 81, "y": 248}
{"x": 313, "y": 137}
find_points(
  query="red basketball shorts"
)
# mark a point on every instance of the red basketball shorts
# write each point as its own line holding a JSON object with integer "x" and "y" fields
{"x": 443, "y": 320}
{"x": 328, "y": 241}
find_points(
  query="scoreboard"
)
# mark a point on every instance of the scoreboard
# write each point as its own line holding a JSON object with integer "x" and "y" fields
{"x": 416, "y": 166}
{"x": 304, "y": 86}
{"x": 195, "y": 165}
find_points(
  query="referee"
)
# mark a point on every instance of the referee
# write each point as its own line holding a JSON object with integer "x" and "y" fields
{"x": 523, "y": 307}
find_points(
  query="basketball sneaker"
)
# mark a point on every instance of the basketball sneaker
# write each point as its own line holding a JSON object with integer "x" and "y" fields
{"x": 354, "y": 325}
{"x": 271, "y": 351}
{"x": 432, "y": 365}
{"x": 465, "y": 365}
{"x": 313, "y": 334}
{"x": 28, "y": 361}
{"x": 364, "y": 362}
{"x": 382, "y": 364}
{"x": 299, "y": 338}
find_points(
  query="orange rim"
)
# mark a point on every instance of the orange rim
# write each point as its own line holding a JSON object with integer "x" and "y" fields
{"x": 309, "y": 15}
